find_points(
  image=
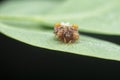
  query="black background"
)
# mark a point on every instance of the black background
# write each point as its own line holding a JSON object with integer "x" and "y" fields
{"x": 21, "y": 60}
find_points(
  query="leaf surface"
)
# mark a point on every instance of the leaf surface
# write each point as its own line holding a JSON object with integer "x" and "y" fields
{"x": 45, "y": 38}
{"x": 95, "y": 16}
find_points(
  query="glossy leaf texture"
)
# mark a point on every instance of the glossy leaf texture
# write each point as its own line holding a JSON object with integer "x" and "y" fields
{"x": 93, "y": 16}
{"x": 44, "y": 38}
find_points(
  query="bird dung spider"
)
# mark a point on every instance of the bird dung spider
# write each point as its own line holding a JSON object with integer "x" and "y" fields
{"x": 65, "y": 32}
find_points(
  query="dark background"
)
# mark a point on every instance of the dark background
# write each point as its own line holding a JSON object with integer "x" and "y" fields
{"x": 21, "y": 60}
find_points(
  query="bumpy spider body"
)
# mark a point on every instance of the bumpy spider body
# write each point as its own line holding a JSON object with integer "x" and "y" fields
{"x": 66, "y": 32}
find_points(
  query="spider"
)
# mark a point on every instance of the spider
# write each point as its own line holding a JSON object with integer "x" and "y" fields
{"x": 66, "y": 32}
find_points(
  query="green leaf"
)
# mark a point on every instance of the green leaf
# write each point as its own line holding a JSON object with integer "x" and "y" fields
{"x": 98, "y": 16}
{"x": 31, "y": 7}
{"x": 32, "y": 21}
{"x": 44, "y": 38}
{"x": 95, "y": 16}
